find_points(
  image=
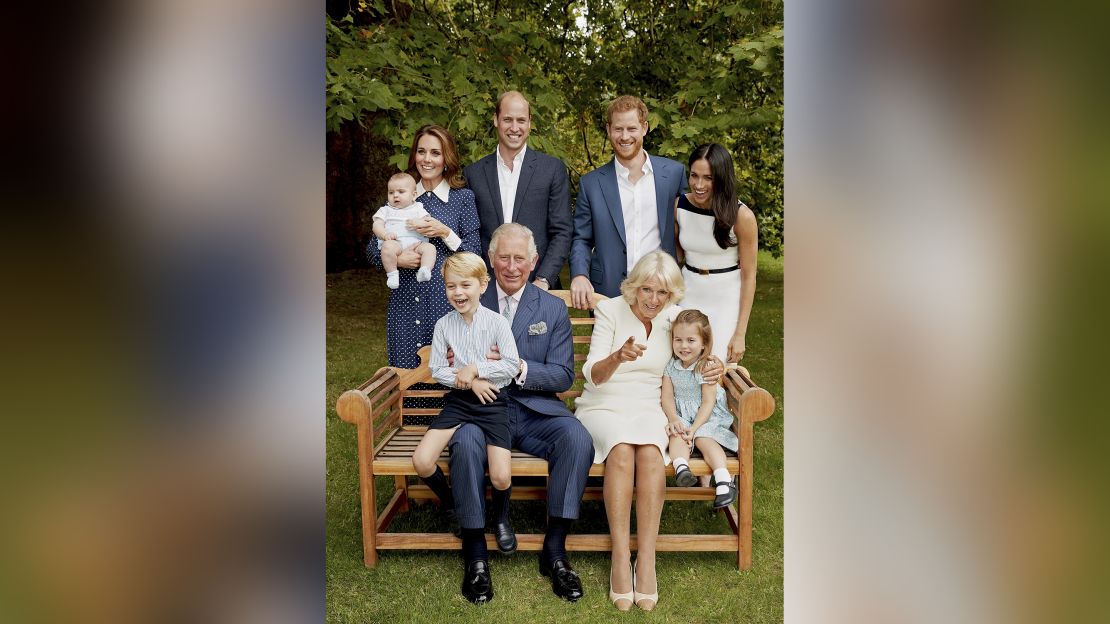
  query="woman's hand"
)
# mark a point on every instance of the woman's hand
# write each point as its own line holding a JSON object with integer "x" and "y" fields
{"x": 629, "y": 351}
{"x": 409, "y": 258}
{"x": 430, "y": 226}
{"x": 736, "y": 348}
{"x": 484, "y": 390}
{"x": 713, "y": 370}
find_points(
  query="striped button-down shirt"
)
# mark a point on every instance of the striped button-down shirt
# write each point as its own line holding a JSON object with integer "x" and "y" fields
{"x": 471, "y": 344}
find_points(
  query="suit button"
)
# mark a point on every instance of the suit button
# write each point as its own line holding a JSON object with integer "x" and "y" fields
{"x": 417, "y": 321}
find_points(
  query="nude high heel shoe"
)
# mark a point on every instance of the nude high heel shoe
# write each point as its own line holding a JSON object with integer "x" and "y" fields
{"x": 614, "y": 596}
{"x": 638, "y": 597}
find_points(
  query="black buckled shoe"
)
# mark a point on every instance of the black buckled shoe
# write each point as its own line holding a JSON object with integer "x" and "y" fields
{"x": 684, "y": 477}
{"x": 565, "y": 582}
{"x": 505, "y": 537}
{"x": 724, "y": 500}
{"x": 477, "y": 586}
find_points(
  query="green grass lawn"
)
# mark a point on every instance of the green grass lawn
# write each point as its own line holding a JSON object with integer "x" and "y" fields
{"x": 423, "y": 586}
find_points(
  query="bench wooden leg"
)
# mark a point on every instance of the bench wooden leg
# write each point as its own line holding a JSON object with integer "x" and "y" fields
{"x": 401, "y": 483}
{"x": 744, "y": 500}
{"x": 367, "y": 495}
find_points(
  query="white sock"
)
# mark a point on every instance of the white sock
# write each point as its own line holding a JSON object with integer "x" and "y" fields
{"x": 679, "y": 462}
{"x": 723, "y": 479}
{"x": 393, "y": 279}
{"x": 423, "y": 274}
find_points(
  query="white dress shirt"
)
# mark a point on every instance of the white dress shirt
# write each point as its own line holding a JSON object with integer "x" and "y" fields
{"x": 641, "y": 217}
{"x": 507, "y": 180}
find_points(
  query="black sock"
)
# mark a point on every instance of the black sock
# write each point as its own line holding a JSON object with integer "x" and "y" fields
{"x": 555, "y": 540}
{"x": 474, "y": 546}
{"x": 437, "y": 481}
{"x": 500, "y": 503}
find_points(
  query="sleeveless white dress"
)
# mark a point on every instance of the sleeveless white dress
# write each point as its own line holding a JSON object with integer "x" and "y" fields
{"x": 717, "y": 295}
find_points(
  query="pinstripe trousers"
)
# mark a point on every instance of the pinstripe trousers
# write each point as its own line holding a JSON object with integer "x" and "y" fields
{"x": 561, "y": 440}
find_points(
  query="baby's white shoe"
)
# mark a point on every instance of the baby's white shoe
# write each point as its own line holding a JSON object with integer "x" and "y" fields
{"x": 393, "y": 279}
{"x": 423, "y": 274}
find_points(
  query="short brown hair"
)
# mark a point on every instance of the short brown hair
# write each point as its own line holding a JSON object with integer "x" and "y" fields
{"x": 626, "y": 103}
{"x": 403, "y": 175}
{"x": 501, "y": 99}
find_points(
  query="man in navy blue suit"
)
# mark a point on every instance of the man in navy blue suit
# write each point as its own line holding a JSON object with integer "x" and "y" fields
{"x": 519, "y": 184}
{"x": 625, "y": 208}
{"x": 539, "y": 421}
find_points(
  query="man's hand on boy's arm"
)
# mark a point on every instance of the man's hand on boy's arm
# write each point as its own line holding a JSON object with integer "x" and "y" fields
{"x": 484, "y": 390}
{"x": 466, "y": 375}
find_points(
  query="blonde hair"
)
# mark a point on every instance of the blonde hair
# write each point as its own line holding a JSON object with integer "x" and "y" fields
{"x": 658, "y": 264}
{"x": 626, "y": 103}
{"x": 466, "y": 264}
{"x": 701, "y": 323}
{"x": 403, "y": 175}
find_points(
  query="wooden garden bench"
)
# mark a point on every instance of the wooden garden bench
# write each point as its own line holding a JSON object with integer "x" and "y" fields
{"x": 388, "y": 432}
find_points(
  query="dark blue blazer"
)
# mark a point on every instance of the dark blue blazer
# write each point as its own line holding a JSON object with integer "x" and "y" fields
{"x": 599, "y": 250}
{"x": 550, "y": 354}
{"x": 542, "y": 204}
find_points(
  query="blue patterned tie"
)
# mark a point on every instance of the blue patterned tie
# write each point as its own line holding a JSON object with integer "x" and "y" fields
{"x": 508, "y": 312}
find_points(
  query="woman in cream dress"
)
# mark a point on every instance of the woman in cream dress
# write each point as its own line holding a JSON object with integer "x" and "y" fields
{"x": 620, "y": 407}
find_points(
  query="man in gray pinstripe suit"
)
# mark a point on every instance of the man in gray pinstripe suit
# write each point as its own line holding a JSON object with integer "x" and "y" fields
{"x": 539, "y": 421}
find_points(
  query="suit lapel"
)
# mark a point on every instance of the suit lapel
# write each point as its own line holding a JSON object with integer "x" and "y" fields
{"x": 528, "y": 167}
{"x": 489, "y": 298}
{"x": 612, "y": 197}
{"x": 663, "y": 201}
{"x": 529, "y": 301}
{"x": 495, "y": 188}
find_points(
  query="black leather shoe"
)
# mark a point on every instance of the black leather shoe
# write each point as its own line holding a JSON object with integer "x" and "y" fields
{"x": 477, "y": 587}
{"x": 564, "y": 580}
{"x": 505, "y": 537}
{"x": 720, "y": 501}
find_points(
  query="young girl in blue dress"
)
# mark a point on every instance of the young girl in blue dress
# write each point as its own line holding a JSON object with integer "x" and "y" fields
{"x": 696, "y": 411}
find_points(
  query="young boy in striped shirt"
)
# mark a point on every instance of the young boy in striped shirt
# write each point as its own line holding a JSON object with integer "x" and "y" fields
{"x": 470, "y": 330}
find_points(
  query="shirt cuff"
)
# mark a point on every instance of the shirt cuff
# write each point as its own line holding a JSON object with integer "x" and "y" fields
{"x": 452, "y": 241}
{"x": 523, "y": 373}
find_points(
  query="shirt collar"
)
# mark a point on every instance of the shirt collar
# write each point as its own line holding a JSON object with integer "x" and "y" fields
{"x": 502, "y": 294}
{"x": 623, "y": 171}
{"x": 442, "y": 191}
{"x": 519, "y": 158}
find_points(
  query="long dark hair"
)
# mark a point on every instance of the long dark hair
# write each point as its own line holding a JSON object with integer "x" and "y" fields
{"x": 723, "y": 202}
{"x": 451, "y": 163}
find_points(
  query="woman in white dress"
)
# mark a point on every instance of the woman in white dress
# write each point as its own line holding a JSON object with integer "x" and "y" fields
{"x": 620, "y": 407}
{"x": 718, "y": 236}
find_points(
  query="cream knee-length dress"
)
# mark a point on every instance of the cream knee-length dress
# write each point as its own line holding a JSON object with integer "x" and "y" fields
{"x": 627, "y": 408}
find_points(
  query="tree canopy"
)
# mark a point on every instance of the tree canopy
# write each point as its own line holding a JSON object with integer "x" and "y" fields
{"x": 708, "y": 71}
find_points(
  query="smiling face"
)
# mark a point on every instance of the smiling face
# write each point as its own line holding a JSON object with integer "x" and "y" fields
{"x": 513, "y": 123}
{"x": 463, "y": 292}
{"x": 626, "y": 133}
{"x": 512, "y": 264}
{"x": 429, "y": 160}
{"x": 651, "y": 297}
{"x": 402, "y": 191}
{"x": 701, "y": 183}
{"x": 687, "y": 343}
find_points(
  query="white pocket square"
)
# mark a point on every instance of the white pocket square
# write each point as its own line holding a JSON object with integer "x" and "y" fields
{"x": 537, "y": 329}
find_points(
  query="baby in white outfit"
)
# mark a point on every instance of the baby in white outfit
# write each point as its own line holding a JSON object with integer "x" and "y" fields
{"x": 391, "y": 226}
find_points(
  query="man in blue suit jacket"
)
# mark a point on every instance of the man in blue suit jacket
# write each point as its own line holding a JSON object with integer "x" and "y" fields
{"x": 518, "y": 184}
{"x": 625, "y": 208}
{"x": 539, "y": 421}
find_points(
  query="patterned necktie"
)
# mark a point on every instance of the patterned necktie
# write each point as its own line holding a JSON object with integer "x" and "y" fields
{"x": 508, "y": 312}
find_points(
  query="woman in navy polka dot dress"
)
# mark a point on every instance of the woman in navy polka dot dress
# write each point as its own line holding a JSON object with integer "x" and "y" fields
{"x": 452, "y": 225}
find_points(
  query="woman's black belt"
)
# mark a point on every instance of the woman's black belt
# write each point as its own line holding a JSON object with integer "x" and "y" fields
{"x": 695, "y": 269}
